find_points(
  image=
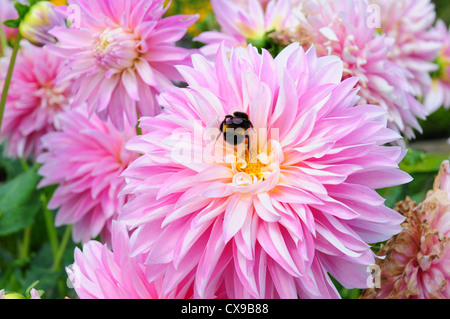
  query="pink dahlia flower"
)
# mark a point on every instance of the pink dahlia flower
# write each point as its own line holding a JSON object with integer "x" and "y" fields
{"x": 122, "y": 56}
{"x": 35, "y": 99}
{"x": 417, "y": 44}
{"x": 417, "y": 260}
{"x": 345, "y": 28}
{"x": 438, "y": 93}
{"x": 345, "y": 31}
{"x": 272, "y": 217}
{"x": 242, "y": 22}
{"x": 99, "y": 273}
{"x": 85, "y": 158}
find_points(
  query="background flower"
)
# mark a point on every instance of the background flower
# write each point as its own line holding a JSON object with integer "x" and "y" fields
{"x": 342, "y": 28}
{"x": 274, "y": 222}
{"x": 241, "y": 23}
{"x": 8, "y": 12}
{"x": 438, "y": 93}
{"x": 122, "y": 56}
{"x": 85, "y": 159}
{"x": 417, "y": 259}
{"x": 116, "y": 275}
{"x": 34, "y": 100}
{"x": 410, "y": 23}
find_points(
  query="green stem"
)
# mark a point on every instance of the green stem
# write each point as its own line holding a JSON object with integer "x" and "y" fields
{"x": 24, "y": 164}
{"x": 62, "y": 248}
{"x": 3, "y": 42}
{"x": 50, "y": 225}
{"x": 9, "y": 76}
{"x": 26, "y": 242}
{"x": 138, "y": 129}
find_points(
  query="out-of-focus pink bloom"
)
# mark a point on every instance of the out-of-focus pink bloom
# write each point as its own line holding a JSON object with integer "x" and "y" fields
{"x": 418, "y": 259}
{"x": 8, "y": 12}
{"x": 245, "y": 3}
{"x": 122, "y": 56}
{"x": 85, "y": 158}
{"x": 99, "y": 273}
{"x": 240, "y": 23}
{"x": 410, "y": 23}
{"x": 344, "y": 28}
{"x": 438, "y": 93}
{"x": 34, "y": 100}
{"x": 271, "y": 218}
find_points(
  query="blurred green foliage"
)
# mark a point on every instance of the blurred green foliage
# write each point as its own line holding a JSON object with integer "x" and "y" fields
{"x": 25, "y": 253}
{"x": 443, "y": 10}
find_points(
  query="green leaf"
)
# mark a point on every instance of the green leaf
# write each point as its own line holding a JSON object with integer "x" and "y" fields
{"x": 22, "y": 9}
{"x": 12, "y": 23}
{"x": 420, "y": 162}
{"x": 19, "y": 202}
{"x": 27, "y": 291}
{"x": 50, "y": 281}
{"x": 32, "y": 2}
{"x": 9, "y": 168}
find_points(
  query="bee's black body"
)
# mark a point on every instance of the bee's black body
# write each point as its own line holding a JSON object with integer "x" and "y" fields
{"x": 239, "y": 123}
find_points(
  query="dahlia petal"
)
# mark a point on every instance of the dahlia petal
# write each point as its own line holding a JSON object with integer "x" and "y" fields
{"x": 284, "y": 283}
{"x": 274, "y": 245}
{"x": 73, "y": 38}
{"x": 264, "y": 208}
{"x": 237, "y": 208}
{"x": 130, "y": 83}
{"x": 145, "y": 72}
{"x": 380, "y": 178}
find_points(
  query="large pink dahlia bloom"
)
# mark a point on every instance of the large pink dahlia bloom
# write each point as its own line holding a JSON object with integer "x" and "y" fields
{"x": 35, "y": 98}
{"x": 122, "y": 56}
{"x": 244, "y": 21}
{"x": 85, "y": 159}
{"x": 271, "y": 218}
{"x": 346, "y": 28}
{"x": 438, "y": 93}
{"x": 101, "y": 273}
{"x": 418, "y": 259}
{"x": 410, "y": 23}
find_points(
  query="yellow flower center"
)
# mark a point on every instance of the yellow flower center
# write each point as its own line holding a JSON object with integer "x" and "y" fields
{"x": 443, "y": 72}
{"x": 115, "y": 48}
{"x": 257, "y": 163}
{"x": 250, "y": 167}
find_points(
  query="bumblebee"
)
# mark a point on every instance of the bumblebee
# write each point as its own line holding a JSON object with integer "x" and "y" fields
{"x": 238, "y": 123}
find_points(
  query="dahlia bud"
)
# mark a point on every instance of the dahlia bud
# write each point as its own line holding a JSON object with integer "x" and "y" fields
{"x": 40, "y": 19}
{"x": 13, "y": 295}
{"x": 33, "y": 294}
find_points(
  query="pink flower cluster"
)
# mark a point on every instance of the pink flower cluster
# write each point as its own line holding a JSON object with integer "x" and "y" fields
{"x": 183, "y": 211}
{"x": 390, "y": 45}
